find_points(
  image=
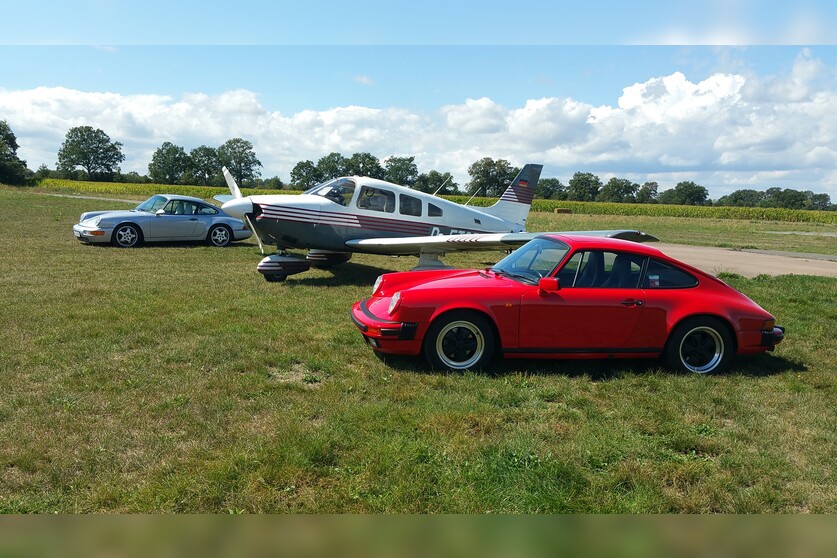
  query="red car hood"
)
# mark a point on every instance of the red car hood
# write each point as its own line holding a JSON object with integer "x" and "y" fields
{"x": 441, "y": 279}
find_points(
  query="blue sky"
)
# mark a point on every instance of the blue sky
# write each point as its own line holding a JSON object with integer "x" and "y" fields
{"x": 599, "y": 89}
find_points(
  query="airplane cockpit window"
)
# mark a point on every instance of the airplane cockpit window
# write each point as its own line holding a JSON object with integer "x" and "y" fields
{"x": 376, "y": 199}
{"x": 433, "y": 210}
{"x": 338, "y": 190}
{"x": 408, "y": 205}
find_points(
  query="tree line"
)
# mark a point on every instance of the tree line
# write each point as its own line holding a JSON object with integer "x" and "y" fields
{"x": 90, "y": 154}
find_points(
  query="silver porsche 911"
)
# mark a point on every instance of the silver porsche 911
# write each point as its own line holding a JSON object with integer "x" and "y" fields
{"x": 163, "y": 217}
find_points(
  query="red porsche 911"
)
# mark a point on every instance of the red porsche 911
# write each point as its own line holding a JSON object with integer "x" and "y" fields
{"x": 565, "y": 296}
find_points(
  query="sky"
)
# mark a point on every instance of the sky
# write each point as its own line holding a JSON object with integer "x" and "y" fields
{"x": 732, "y": 95}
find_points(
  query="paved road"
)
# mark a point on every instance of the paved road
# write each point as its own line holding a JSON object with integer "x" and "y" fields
{"x": 749, "y": 263}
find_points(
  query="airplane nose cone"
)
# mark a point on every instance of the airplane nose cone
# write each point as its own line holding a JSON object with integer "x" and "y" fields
{"x": 238, "y": 207}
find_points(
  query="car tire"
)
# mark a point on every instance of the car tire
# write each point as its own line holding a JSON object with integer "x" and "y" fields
{"x": 459, "y": 340}
{"x": 701, "y": 345}
{"x": 126, "y": 235}
{"x": 219, "y": 236}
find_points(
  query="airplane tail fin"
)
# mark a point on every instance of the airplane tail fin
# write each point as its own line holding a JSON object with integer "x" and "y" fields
{"x": 515, "y": 202}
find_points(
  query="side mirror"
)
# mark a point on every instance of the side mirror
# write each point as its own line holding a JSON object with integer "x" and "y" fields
{"x": 548, "y": 285}
{"x": 160, "y": 212}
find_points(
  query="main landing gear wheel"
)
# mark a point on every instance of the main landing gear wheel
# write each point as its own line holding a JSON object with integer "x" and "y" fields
{"x": 700, "y": 345}
{"x": 459, "y": 341}
{"x": 126, "y": 236}
{"x": 275, "y": 278}
{"x": 219, "y": 236}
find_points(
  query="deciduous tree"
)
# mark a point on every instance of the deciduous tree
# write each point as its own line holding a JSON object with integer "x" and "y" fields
{"x": 364, "y": 164}
{"x": 618, "y": 190}
{"x": 332, "y": 166}
{"x": 551, "y": 189}
{"x": 168, "y": 164}
{"x": 436, "y": 182}
{"x": 205, "y": 164}
{"x": 401, "y": 170}
{"x": 490, "y": 177}
{"x": 92, "y": 150}
{"x": 685, "y": 193}
{"x": 305, "y": 175}
{"x": 647, "y": 193}
{"x": 583, "y": 186}
{"x": 13, "y": 170}
{"x": 238, "y": 156}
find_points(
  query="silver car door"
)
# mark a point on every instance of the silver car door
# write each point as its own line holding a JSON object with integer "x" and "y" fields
{"x": 174, "y": 223}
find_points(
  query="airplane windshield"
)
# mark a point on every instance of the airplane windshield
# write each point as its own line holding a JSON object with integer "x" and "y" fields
{"x": 338, "y": 190}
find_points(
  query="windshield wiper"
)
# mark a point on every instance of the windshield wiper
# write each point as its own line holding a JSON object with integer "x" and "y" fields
{"x": 524, "y": 278}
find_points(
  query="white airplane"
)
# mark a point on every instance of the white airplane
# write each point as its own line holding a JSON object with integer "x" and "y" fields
{"x": 360, "y": 214}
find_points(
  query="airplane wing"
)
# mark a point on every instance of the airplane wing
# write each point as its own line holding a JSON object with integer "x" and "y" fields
{"x": 440, "y": 244}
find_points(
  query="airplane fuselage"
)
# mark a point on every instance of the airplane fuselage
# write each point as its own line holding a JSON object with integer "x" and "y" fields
{"x": 365, "y": 208}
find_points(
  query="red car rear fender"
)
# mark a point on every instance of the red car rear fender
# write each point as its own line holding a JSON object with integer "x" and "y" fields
{"x": 723, "y": 319}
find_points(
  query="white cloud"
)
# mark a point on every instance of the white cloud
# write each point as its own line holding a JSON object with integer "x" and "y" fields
{"x": 364, "y": 80}
{"x": 726, "y": 132}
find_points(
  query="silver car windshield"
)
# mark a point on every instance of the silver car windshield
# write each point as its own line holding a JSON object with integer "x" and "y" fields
{"x": 152, "y": 204}
{"x": 535, "y": 259}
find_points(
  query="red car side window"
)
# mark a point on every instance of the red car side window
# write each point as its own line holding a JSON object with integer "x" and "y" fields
{"x": 660, "y": 275}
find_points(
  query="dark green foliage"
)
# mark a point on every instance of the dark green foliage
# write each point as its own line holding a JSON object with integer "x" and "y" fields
{"x": 206, "y": 166}
{"x": 686, "y": 193}
{"x": 13, "y": 170}
{"x": 305, "y": 175}
{"x": 550, "y": 189}
{"x": 364, "y": 164}
{"x": 583, "y": 186}
{"x": 168, "y": 164}
{"x": 238, "y": 156}
{"x": 618, "y": 190}
{"x": 92, "y": 150}
{"x": 489, "y": 177}
{"x": 436, "y": 182}
{"x": 401, "y": 170}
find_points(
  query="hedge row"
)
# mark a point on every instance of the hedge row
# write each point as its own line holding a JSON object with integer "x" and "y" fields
{"x": 588, "y": 208}
{"x": 661, "y": 210}
{"x": 129, "y": 189}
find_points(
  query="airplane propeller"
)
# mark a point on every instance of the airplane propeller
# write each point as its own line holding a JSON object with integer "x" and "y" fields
{"x": 236, "y": 193}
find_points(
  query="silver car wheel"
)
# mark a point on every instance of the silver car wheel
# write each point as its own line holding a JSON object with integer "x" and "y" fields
{"x": 219, "y": 236}
{"x": 126, "y": 236}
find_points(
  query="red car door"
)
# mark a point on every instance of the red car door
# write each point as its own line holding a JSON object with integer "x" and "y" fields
{"x": 596, "y": 310}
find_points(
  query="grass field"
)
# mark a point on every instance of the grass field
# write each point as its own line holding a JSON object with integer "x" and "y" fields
{"x": 174, "y": 379}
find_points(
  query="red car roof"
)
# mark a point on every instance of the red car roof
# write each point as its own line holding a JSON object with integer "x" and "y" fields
{"x": 605, "y": 243}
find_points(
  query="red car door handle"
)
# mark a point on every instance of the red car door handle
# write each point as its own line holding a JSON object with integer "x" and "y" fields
{"x": 631, "y": 302}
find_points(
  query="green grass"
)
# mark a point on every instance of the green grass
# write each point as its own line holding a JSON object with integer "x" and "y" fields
{"x": 174, "y": 379}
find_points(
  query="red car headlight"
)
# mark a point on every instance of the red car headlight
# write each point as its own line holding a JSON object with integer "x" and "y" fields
{"x": 394, "y": 303}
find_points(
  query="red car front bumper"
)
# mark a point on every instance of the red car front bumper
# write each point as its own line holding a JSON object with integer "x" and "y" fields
{"x": 386, "y": 336}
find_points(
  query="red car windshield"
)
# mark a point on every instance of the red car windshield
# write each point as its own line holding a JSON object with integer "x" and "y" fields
{"x": 535, "y": 259}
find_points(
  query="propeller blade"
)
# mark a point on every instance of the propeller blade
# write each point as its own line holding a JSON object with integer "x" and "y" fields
{"x": 228, "y": 178}
{"x": 255, "y": 233}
